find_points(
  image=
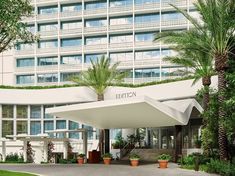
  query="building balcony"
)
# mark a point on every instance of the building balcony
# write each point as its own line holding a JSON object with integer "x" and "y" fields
{"x": 172, "y": 23}
{"x": 28, "y": 19}
{"x": 46, "y": 1}
{"x": 77, "y": 31}
{"x": 51, "y": 16}
{"x": 98, "y": 12}
{"x": 178, "y": 3}
{"x": 95, "y": 29}
{"x": 47, "y": 68}
{"x": 24, "y": 52}
{"x": 71, "y": 14}
{"x": 120, "y": 9}
{"x": 47, "y": 50}
{"x": 147, "y": 6}
{"x": 148, "y": 44}
{"x": 147, "y": 63}
{"x": 47, "y": 33}
{"x": 95, "y": 47}
{"x": 125, "y": 64}
{"x": 24, "y": 69}
{"x": 120, "y": 27}
{"x": 120, "y": 45}
{"x": 71, "y": 49}
{"x": 68, "y": 67}
{"x": 147, "y": 25}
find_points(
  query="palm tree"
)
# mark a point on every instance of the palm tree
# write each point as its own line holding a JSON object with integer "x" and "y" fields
{"x": 218, "y": 29}
{"x": 98, "y": 77}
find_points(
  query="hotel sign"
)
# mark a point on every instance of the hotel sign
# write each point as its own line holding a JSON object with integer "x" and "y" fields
{"x": 126, "y": 95}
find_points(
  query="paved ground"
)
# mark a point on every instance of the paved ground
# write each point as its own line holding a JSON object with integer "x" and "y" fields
{"x": 101, "y": 170}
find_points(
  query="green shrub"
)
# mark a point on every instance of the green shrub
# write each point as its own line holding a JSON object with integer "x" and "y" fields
{"x": 188, "y": 160}
{"x": 15, "y": 158}
{"x": 221, "y": 167}
{"x": 164, "y": 157}
{"x": 107, "y": 155}
{"x": 63, "y": 161}
{"x": 134, "y": 156}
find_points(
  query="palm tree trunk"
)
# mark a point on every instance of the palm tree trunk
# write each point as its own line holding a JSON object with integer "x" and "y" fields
{"x": 220, "y": 66}
{"x": 206, "y": 82}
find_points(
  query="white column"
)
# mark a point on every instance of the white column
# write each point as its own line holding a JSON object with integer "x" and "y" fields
{"x": 84, "y": 137}
{"x": 25, "y": 151}
{"x": 45, "y": 151}
{"x": 127, "y": 132}
{"x": 65, "y": 153}
{"x": 3, "y": 150}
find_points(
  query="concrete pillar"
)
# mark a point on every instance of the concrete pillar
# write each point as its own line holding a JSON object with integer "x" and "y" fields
{"x": 160, "y": 138}
{"x": 45, "y": 151}
{"x": 65, "y": 153}
{"x": 4, "y": 151}
{"x": 106, "y": 141}
{"x": 25, "y": 150}
{"x": 178, "y": 141}
{"x": 127, "y": 132}
{"x": 84, "y": 137}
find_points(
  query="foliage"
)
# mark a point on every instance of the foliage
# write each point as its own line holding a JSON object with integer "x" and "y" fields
{"x": 134, "y": 156}
{"x": 51, "y": 147}
{"x": 107, "y": 155}
{"x": 67, "y": 161}
{"x": 197, "y": 141}
{"x": 221, "y": 167}
{"x": 14, "y": 158}
{"x": 11, "y": 26}
{"x": 133, "y": 139}
{"x": 11, "y": 173}
{"x": 81, "y": 155}
{"x": 164, "y": 157}
{"x": 70, "y": 151}
{"x": 119, "y": 142}
{"x": 30, "y": 153}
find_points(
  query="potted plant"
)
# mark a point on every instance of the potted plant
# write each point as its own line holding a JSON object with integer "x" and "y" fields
{"x": 80, "y": 158}
{"x": 163, "y": 160}
{"x": 107, "y": 158}
{"x": 134, "y": 159}
{"x": 197, "y": 141}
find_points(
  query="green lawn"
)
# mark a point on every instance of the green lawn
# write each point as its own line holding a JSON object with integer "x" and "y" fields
{"x": 9, "y": 173}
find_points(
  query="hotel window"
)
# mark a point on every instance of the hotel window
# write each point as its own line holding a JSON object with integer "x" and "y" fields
{"x": 67, "y": 76}
{"x": 121, "y": 39}
{"x": 121, "y": 20}
{"x": 172, "y": 16}
{"x": 48, "y": 44}
{"x": 120, "y": 3}
{"x": 167, "y": 52}
{"x": 128, "y": 73}
{"x": 96, "y": 23}
{"x": 30, "y": 28}
{"x": 24, "y": 46}
{"x": 7, "y": 127}
{"x": 24, "y": 79}
{"x": 71, "y": 7}
{"x": 141, "y": 2}
{"x": 149, "y": 18}
{"x": 35, "y": 127}
{"x": 93, "y": 57}
{"x": 48, "y": 126}
{"x": 71, "y": 42}
{"x": 47, "y": 10}
{"x": 96, "y": 40}
{"x": 90, "y": 131}
{"x": 7, "y": 111}
{"x": 25, "y": 62}
{"x": 48, "y": 77}
{"x": 22, "y": 111}
{"x": 42, "y": 61}
{"x": 47, "y": 27}
{"x": 172, "y": 71}
{"x": 60, "y": 124}
{"x": 35, "y": 112}
{"x": 71, "y": 60}
{"x": 95, "y": 5}
{"x": 114, "y": 133}
{"x": 73, "y": 126}
{"x": 144, "y": 37}
{"x": 144, "y": 55}
{"x": 115, "y": 57}
{"x": 47, "y": 116}
{"x": 71, "y": 25}
{"x": 147, "y": 73}
{"x": 22, "y": 127}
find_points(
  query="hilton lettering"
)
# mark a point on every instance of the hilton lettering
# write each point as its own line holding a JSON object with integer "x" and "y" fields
{"x": 126, "y": 95}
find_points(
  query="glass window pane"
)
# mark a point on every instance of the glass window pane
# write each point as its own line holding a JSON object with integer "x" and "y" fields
{"x": 71, "y": 7}
{"x": 48, "y": 44}
{"x": 22, "y": 111}
{"x": 24, "y": 79}
{"x": 35, "y": 112}
{"x": 96, "y": 23}
{"x": 7, "y": 127}
{"x": 49, "y": 126}
{"x": 42, "y": 61}
{"x": 47, "y": 27}
{"x": 47, "y": 10}
{"x": 26, "y": 62}
{"x": 90, "y": 131}
{"x": 53, "y": 77}
{"x": 92, "y": 57}
{"x": 71, "y": 25}
{"x": 73, "y": 126}
{"x": 76, "y": 59}
{"x": 120, "y": 3}
{"x": 121, "y": 20}
{"x": 95, "y": 5}
{"x": 149, "y": 18}
{"x": 67, "y": 76}
{"x": 7, "y": 111}
{"x": 35, "y": 127}
{"x": 71, "y": 42}
{"x": 47, "y": 116}
{"x": 22, "y": 127}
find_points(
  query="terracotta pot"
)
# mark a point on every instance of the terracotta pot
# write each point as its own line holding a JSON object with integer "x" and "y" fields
{"x": 163, "y": 164}
{"x": 134, "y": 163}
{"x": 107, "y": 161}
{"x": 80, "y": 160}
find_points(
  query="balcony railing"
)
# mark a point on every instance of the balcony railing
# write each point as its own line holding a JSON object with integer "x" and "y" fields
{"x": 71, "y": 49}
{"x": 46, "y": 50}
{"x": 45, "y": 1}
{"x": 95, "y": 11}
{"x": 76, "y": 31}
{"x": 147, "y": 63}
{"x": 24, "y": 69}
{"x": 126, "y": 64}
{"x": 95, "y": 29}
{"x": 174, "y": 22}
{"x": 120, "y": 9}
{"x": 147, "y": 6}
{"x": 146, "y": 44}
{"x": 47, "y": 33}
{"x": 146, "y": 79}
{"x": 24, "y": 52}
{"x": 147, "y": 25}
{"x": 177, "y": 3}
{"x": 71, "y": 66}
{"x": 120, "y": 27}
{"x": 71, "y": 14}
{"x": 95, "y": 47}
{"x": 47, "y": 68}
{"x": 120, "y": 45}
{"x": 47, "y": 16}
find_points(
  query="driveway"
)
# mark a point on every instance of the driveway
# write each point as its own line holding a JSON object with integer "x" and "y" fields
{"x": 100, "y": 170}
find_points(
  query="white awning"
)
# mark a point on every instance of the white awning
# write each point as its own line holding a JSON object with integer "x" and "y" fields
{"x": 129, "y": 113}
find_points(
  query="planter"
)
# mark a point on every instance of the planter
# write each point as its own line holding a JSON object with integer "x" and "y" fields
{"x": 80, "y": 160}
{"x": 163, "y": 164}
{"x": 134, "y": 162}
{"x": 107, "y": 161}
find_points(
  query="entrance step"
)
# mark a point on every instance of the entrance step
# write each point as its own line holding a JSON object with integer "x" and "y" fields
{"x": 150, "y": 154}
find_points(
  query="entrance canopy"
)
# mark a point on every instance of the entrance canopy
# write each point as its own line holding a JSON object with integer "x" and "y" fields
{"x": 129, "y": 113}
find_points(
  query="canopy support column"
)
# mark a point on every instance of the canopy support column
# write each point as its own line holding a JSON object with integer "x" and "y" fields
{"x": 65, "y": 153}
{"x": 106, "y": 141}
{"x": 25, "y": 150}
{"x": 3, "y": 151}
{"x": 84, "y": 137}
{"x": 178, "y": 141}
{"x": 45, "y": 151}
